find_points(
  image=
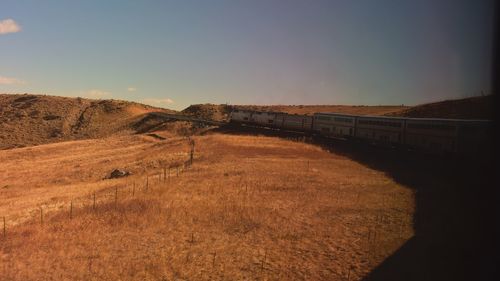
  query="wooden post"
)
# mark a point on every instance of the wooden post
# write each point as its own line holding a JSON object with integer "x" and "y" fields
{"x": 263, "y": 262}
{"x": 191, "y": 155}
{"x": 213, "y": 260}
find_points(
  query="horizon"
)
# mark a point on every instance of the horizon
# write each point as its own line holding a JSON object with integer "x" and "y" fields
{"x": 177, "y": 53}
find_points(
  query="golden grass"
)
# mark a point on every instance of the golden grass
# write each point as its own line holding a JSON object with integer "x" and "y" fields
{"x": 250, "y": 208}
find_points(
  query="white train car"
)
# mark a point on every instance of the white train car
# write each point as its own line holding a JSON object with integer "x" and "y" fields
{"x": 379, "y": 129}
{"x": 240, "y": 116}
{"x": 473, "y": 136}
{"x": 266, "y": 119}
{"x": 334, "y": 124}
{"x": 433, "y": 135}
{"x": 294, "y": 121}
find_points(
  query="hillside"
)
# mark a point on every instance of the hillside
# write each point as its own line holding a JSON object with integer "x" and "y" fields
{"x": 467, "y": 108}
{"x": 220, "y": 112}
{"x": 27, "y": 119}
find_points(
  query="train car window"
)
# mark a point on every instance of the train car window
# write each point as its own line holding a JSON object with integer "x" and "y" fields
{"x": 380, "y": 123}
{"x": 430, "y": 126}
{"x": 344, "y": 120}
{"x": 324, "y": 118}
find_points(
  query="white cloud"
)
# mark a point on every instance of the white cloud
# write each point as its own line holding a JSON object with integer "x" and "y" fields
{"x": 131, "y": 89}
{"x": 96, "y": 94}
{"x": 9, "y": 26}
{"x": 158, "y": 102}
{"x": 9, "y": 81}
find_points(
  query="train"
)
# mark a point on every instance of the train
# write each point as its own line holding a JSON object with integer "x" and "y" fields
{"x": 432, "y": 135}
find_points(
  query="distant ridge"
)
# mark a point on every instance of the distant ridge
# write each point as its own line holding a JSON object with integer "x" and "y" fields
{"x": 480, "y": 107}
{"x": 220, "y": 112}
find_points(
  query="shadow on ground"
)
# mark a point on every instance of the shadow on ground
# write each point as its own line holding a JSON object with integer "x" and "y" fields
{"x": 454, "y": 219}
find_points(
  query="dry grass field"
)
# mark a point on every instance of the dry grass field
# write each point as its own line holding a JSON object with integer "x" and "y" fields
{"x": 255, "y": 204}
{"x": 249, "y": 208}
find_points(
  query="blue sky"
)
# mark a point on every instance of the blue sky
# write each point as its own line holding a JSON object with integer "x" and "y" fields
{"x": 176, "y": 53}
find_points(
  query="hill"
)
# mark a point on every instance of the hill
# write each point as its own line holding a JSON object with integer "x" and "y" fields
{"x": 220, "y": 112}
{"x": 27, "y": 119}
{"x": 468, "y": 108}
{"x": 311, "y": 109}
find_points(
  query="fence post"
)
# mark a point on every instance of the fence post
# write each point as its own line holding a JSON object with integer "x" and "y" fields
{"x": 191, "y": 153}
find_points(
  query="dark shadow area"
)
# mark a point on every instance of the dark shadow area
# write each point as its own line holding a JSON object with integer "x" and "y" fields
{"x": 454, "y": 219}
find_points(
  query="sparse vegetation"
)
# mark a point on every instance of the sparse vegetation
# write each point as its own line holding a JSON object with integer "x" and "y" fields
{"x": 252, "y": 207}
{"x": 27, "y": 120}
{"x": 249, "y": 208}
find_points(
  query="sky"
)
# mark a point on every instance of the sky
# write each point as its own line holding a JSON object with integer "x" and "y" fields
{"x": 176, "y": 53}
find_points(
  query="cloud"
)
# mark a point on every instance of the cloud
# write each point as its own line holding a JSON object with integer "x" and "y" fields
{"x": 131, "y": 89}
{"x": 9, "y": 81}
{"x": 9, "y": 26}
{"x": 96, "y": 94}
{"x": 158, "y": 102}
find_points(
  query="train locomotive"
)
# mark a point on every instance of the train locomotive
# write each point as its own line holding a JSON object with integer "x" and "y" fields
{"x": 434, "y": 135}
